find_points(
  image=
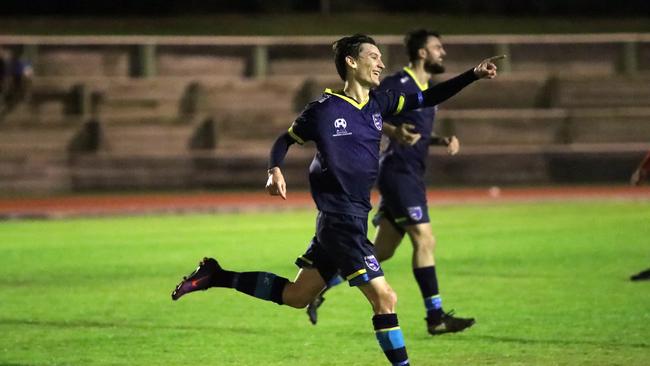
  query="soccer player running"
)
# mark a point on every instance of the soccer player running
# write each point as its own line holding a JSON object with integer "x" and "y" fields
{"x": 403, "y": 208}
{"x": 346, "y": 126}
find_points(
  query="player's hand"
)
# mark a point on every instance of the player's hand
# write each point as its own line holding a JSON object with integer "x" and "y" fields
{"x": 453, "y": 145}
{"x": 275, "y": 184}
{"x": 405, "y": 134}
{"x": 487, "y": 69}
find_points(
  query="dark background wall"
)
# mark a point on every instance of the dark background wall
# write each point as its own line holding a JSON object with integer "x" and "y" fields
{"x": 467, "y": 7}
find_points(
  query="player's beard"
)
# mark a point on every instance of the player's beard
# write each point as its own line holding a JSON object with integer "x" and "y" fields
{"x": 434, "y": 68}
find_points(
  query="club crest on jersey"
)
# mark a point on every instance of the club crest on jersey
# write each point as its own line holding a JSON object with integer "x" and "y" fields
{"x": 376, "y": 119}
{"x": 372, "y": 262}
{"x": 415, "y": 213}
{"x": 340, "y": 127}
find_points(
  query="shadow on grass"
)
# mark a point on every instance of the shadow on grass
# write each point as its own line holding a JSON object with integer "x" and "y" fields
{"x": 96, "y": 324}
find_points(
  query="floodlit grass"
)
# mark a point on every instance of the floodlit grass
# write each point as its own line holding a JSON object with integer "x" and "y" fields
{"x": 548, "y": 284}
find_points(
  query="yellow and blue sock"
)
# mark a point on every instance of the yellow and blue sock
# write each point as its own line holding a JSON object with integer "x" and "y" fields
{"x": 428, "y": 283}
{"x": 390, "y": 338}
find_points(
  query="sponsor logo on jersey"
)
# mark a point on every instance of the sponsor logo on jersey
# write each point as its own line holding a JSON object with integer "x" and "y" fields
{"x": 415, "y": 213}
{"x": 340, "y": 127}
{"x": 372, "y": 262}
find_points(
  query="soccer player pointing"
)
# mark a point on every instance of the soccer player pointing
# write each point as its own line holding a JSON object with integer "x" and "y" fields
{"x": 346, "y": 126}
{"x": 403, "y": 208}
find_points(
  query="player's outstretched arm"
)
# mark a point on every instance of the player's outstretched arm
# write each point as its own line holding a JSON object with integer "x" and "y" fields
{"x": 275, "y": 184}
{"x": 447, "y": 89}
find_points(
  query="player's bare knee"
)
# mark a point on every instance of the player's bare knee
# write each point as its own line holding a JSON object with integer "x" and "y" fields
{"x": 386, "y": 302}
{"x": 425, "y": 243}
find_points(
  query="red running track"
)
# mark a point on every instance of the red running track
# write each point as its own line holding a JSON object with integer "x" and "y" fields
{"x": 197, "y": 202}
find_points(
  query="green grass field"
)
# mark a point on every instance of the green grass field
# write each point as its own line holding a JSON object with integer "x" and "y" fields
{"x": 547, "y": 282}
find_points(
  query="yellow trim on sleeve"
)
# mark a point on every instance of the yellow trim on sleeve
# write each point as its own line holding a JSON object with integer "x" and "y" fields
{"x": 295, "y": 137}
{"x": 348, "y": 99}
{"x": 400, "y": 104}
{"x": 355, "y": 274}
{"x": 411, "y": 73}
{"x": 302, "y": 257}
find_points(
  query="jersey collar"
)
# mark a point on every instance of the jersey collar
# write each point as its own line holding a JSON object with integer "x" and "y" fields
{"x": 348, "y": 99}
{"x": 411, "y": 73}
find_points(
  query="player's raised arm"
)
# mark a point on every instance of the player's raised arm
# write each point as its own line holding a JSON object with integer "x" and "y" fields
{"x": 447, "y": 89}
{"x": 275, "y": 184}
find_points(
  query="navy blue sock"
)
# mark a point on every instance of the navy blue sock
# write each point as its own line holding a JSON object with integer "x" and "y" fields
{"x": 262, "y": 285}
{"x": 428, "y": 283}
{"x": 390, "y": 338}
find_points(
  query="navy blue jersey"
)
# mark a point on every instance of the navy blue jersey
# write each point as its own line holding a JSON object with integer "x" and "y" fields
{"x": 347, "y": 136}
{"x": 409, "y": 159}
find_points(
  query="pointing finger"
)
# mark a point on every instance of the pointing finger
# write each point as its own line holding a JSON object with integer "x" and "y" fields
{"x": 496, "y": 58}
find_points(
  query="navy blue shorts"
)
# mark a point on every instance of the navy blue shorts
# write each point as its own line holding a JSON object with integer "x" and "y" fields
{"x": 341, "y": 246}
{"x": 403, "y": 200}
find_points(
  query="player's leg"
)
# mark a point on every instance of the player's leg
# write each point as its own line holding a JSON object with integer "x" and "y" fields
{"x": 385, "y": 322}
{"x": 306, "y": 286}
{"x": 345, "y": 246}
{"x": 262, "y": 285}
{"x": 424, "y": 271}
{"x": 312, "y": 307}
{"x": 387, "y": 238}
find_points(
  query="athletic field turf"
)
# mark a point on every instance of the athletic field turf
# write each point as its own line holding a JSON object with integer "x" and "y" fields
{"x": 547, "y": 282}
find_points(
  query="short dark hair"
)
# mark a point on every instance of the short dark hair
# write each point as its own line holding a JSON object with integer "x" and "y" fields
{"x": 348, "y": 46}
{"x": 417, "y": 39}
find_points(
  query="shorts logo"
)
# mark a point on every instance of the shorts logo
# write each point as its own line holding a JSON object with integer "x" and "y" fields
{"x": 371, "y": 262}
{"x": 340, "y": 125}
{"x": 415, "y": 213}
{"x": 376, "y": 119}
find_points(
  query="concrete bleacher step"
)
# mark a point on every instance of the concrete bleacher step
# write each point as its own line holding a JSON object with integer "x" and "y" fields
{"x": 252, "y": 125}
{"x": 611, "y": 92}
{"x": 503, "y": 126}
{"x": 36, "y": 141}
{"x": 607, "y": 125}
{"x": 146, "y": 139}
{"x": 269, "y": 95}
{"x": 508, "y": 91}
{"x": 546, "y": 126}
